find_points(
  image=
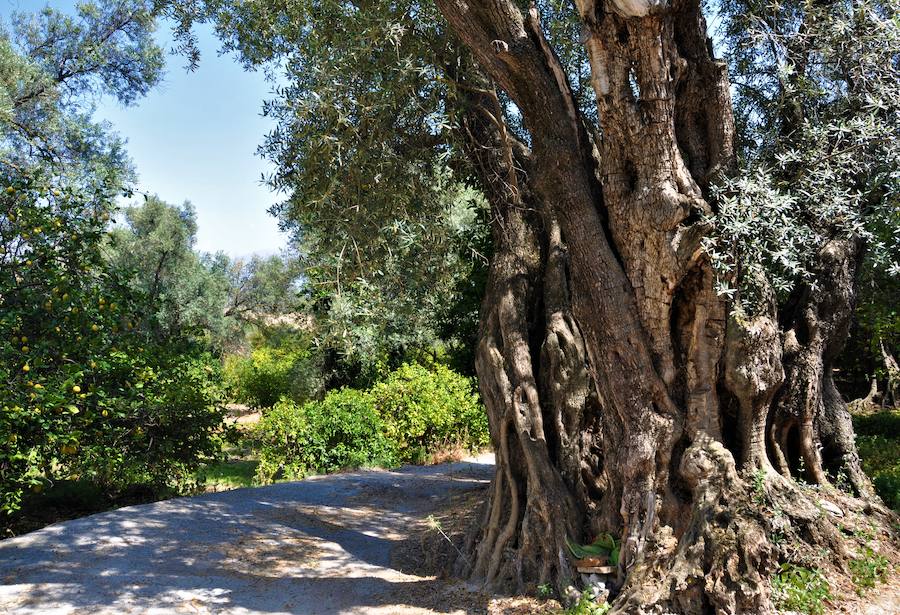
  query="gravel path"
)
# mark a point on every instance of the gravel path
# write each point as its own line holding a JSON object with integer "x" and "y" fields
{"x": 322, "y": 545}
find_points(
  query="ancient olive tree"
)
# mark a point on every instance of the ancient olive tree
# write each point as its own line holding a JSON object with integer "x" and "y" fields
{"x": 625, "y": 394}
{"x": 667, "y": 289}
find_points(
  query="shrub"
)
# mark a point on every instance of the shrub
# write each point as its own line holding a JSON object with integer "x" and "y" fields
{"x": 885, "y": 423}
{"x": 341, "y": 431}
{"x": 86, "y": 393}
{"x": 276, "y": 368}
{"x": 867, "y": 570}
{"x": 800, "y": 589}
{"x": 167, "y": 421}
{"x": 413, "y": 412}
{"x": 425, "y": 409}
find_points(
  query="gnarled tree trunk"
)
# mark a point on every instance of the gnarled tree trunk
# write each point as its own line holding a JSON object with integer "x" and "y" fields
{"x": 621, "y": 396}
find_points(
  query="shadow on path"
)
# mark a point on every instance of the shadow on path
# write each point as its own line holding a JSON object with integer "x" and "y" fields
{"x": 317, "y": 546}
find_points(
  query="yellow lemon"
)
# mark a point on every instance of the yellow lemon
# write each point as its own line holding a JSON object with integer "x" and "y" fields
{"x": 76, "y": 389}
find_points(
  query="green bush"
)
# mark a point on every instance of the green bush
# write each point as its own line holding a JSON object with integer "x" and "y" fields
{"x": 878, "y": 441}
{"x": 869, "y": 569}
{"x": 800, "y": 589}
{"x": 413, "y": 412}
{"x": 881, "y": 461}
{"x": 86, "y": 393}
{"x": 171, "y": 422}
{"x": 885, "y": 423}
{"x": 341, "y": 431}
{"x": 425, "y": 409}
{"x": 279, "y": 366}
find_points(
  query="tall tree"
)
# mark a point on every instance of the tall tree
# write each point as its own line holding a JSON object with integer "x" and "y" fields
{"x": 640, "y": 375}
{"x": 189, "y": 290}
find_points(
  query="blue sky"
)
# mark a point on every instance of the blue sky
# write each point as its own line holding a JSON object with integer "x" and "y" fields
{"x": 194, "y": 138}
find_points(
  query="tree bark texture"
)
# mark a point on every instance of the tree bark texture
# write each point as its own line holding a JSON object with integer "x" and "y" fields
{"x": 622, "y": 396}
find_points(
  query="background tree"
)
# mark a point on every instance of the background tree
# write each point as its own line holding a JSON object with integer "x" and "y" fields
{"x": 189, "y": 290}
{"x": 262, "y": 286}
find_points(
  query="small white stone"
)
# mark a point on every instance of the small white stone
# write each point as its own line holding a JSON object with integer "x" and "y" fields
{"x": 831, "y": 508}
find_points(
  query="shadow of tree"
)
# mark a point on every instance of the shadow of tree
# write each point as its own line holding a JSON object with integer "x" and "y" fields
{"x": 317, "y": 546}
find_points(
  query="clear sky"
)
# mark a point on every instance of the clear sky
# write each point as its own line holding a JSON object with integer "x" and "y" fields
{"x": 194, "y": 138}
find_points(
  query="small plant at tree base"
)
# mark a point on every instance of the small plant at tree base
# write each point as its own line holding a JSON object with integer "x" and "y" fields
{"x": 759, "y": 487}
{"x": 867, "y": 570}
{"x": 800, "y": 589}
{"x": 587, "y": 606}
{"x": 545, "y": 590}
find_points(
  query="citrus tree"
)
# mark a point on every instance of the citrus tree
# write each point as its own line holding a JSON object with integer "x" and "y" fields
{"x": 88, "y": 390}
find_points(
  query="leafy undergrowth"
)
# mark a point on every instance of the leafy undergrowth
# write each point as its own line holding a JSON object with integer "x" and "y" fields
{"x": 878, "y": 440}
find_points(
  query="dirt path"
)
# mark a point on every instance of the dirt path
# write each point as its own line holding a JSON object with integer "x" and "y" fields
{"x": 318, "y": 546}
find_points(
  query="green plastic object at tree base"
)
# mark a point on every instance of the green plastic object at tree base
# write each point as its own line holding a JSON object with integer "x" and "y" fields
{"x": 604, "y": 545}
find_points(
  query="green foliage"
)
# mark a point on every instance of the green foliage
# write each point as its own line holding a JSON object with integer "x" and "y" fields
{"x": 282, "y": 363}
{"x": 165, "y": 419}
{"x": 262, "y": 287}
{"x": 91, "y": 392}
{"x": 426, "y": 409}
{"x": 52, "y": 66}
{"x": 816, "y": 104}
{"x": 878, "y": 442}
{"x": 414, "y": 411}
{"x": 759, "y": 487}
{"x": 341, "y": 431}
{"x": 867, "y": 570}
{"x": 605, "y": 545}
{"x": 88, "y": 392}
{"x": 188, "y": 291}
{"x": 586, "y": 605}
{"x": 387, "y": 228}
{"x": 545, "y": 590}
{"x": 795, "y": 588}
{"x": 885, "y": 424}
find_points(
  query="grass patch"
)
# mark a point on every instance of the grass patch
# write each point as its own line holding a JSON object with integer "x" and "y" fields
{"x": 231, "y": 474}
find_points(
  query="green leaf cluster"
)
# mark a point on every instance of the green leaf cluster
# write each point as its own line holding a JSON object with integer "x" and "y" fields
{"x": 799, "y": 589}
{"x": 88, "y": 392}
{"x": 413, "y": 412}
{"x": 878, "y": 441}
{"x": 341, "y": 431}
{"x": 816, "y": 100}
{"x": 425, "y": 409}
{"x": 281, "y": 364}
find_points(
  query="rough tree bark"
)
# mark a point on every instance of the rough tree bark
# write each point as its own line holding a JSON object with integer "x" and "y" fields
{"x": 620, "y": 397}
